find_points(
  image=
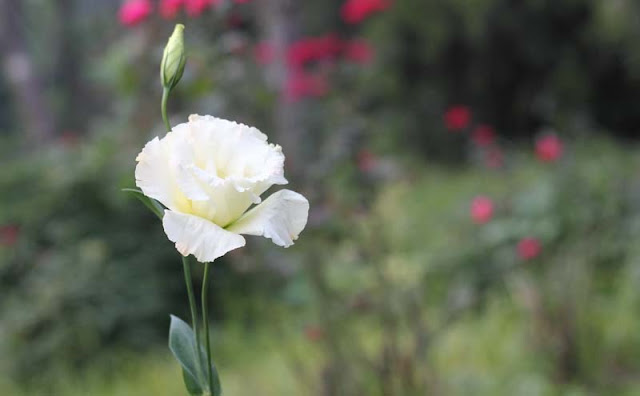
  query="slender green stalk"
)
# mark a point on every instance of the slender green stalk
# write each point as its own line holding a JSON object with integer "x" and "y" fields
{"x": 205, "y": 320}
{"x": 192, "y": 304}
{"x": 163, "y": 108}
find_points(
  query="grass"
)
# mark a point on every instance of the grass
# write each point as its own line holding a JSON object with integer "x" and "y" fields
{"x": 248, "y": 365}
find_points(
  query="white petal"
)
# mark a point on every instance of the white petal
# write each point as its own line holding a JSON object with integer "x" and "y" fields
{"x": 198, "y": 236}
{"x": 219, "y": 123}
{"x": 281, "y": 218}
{"x": 153, "y": 174}
{"x": 236, "y": 151}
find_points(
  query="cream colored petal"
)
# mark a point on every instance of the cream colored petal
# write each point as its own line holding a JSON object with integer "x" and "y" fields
{"x": 154, "y": 175}
{"x": 281, "y": 218}
{"x": 198, "y": 236}
{"x": 235, "y": 151}
{"x": 222, "y": 124}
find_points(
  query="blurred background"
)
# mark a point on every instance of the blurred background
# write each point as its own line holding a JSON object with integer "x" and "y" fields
{"x": 471, "y": 166}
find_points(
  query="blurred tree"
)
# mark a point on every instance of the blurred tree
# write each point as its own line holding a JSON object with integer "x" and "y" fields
{"x": 36, "y": 117}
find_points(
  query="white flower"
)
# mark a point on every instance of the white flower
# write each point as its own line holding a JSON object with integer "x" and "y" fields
{"x": 208, "y": 172}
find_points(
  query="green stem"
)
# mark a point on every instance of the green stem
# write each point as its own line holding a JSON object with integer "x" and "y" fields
{"x": 192, "y": 304}
{"x": 163, "y": 108}
{"x": 205, "y": 320}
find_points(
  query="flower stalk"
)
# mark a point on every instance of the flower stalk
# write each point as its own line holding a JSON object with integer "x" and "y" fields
{"x": 163, "y": 108}
{"x": 192, "y": 305}
{"x": 205, "y": 320}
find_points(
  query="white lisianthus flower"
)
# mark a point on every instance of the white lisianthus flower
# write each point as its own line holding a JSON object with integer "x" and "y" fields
{"x": 208, "y": 172}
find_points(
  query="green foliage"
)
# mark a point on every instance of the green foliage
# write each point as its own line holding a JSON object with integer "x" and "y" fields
{"x": 79, "y": 278}
{"x": 154, "y": 206}
{"x": 414, "y": 298}
{"x": 411, "y": 288}
{"x": 184, "y": 347}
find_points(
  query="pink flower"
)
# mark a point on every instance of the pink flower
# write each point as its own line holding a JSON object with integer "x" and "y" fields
{"x": 366, "y": 161}
{"x": 234, "y": 21}
{"x": 264, "y": 53}
{"x": 170, "y": 8}
{"x": 196, "y": 7}
{"x": 132, "y": 12}
{"x": 69, "y": 139}
{"x": 358, "y": 51}
{"x": 548, "y": 148}
{"x": 355, "y": 11}
{"x": 529, "y": 248}
{"x": 309, "y": 49}
{"x": 313, "y": 333}
{"x": 328, "y": 46}
{"x": 483, "y": 135}
{"x": 301, "y": 84}
{"x": 481, "y": 209}
{"x": 9, "y": 234}
{"x": 301, "y": 52}
{"x": 457, "y": 118}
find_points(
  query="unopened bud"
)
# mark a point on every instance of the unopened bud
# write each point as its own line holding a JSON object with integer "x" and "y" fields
{"x": 173, "y": 59}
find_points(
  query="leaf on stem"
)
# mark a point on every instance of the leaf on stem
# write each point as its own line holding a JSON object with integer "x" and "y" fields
{"x": 182, "y": 343}
{"x": 192, "y": 385}
{"x": 150, "y": 203}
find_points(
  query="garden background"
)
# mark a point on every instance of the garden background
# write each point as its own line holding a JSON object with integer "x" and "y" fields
{"x": 472, "y": 168}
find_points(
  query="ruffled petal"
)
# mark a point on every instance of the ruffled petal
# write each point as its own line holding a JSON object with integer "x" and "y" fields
{"x": 198, "y": 236}
{"x": 281, "y": 218}
{"x": 154, "y": 175}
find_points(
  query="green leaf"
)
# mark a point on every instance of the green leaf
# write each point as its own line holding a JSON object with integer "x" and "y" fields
{"x": 182, "y": 343}
{"x": 217, "y": 388}
{"x": 193, "y": 387}
{"x": 150, "y": 203}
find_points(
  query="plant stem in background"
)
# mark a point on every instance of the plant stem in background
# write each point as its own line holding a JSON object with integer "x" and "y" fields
{"x": 205, "y": 320}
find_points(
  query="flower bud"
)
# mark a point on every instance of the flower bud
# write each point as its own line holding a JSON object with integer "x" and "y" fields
{"x": 173, "y": 59}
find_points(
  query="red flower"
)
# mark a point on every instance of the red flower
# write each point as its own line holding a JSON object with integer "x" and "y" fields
{"x": 358, "y": 51}
{"x": 483, "y": 135}
{"x": 301, "y": 52}
{"x": 355, "y": 11}
{"x": 170, "y": 8}
{"x": 481, "y": 209}
{"x": 9, "y": 234}
{"x": 548, "y": 148}
{"x": 313, "y": 333}
{"x": 69, "y": 138}
{"x": 235, "y": 21}
{"x": 328, "y": 46}
{"x": 457, "y": 118}
{"x": 306, "y": 50}
{"x": 366, "y": 161}
{"x": 301, "y": 84}
{"x": 196, "y": 7}
{"x": 529, "y": 248}
{"x": 133, "y": 12}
